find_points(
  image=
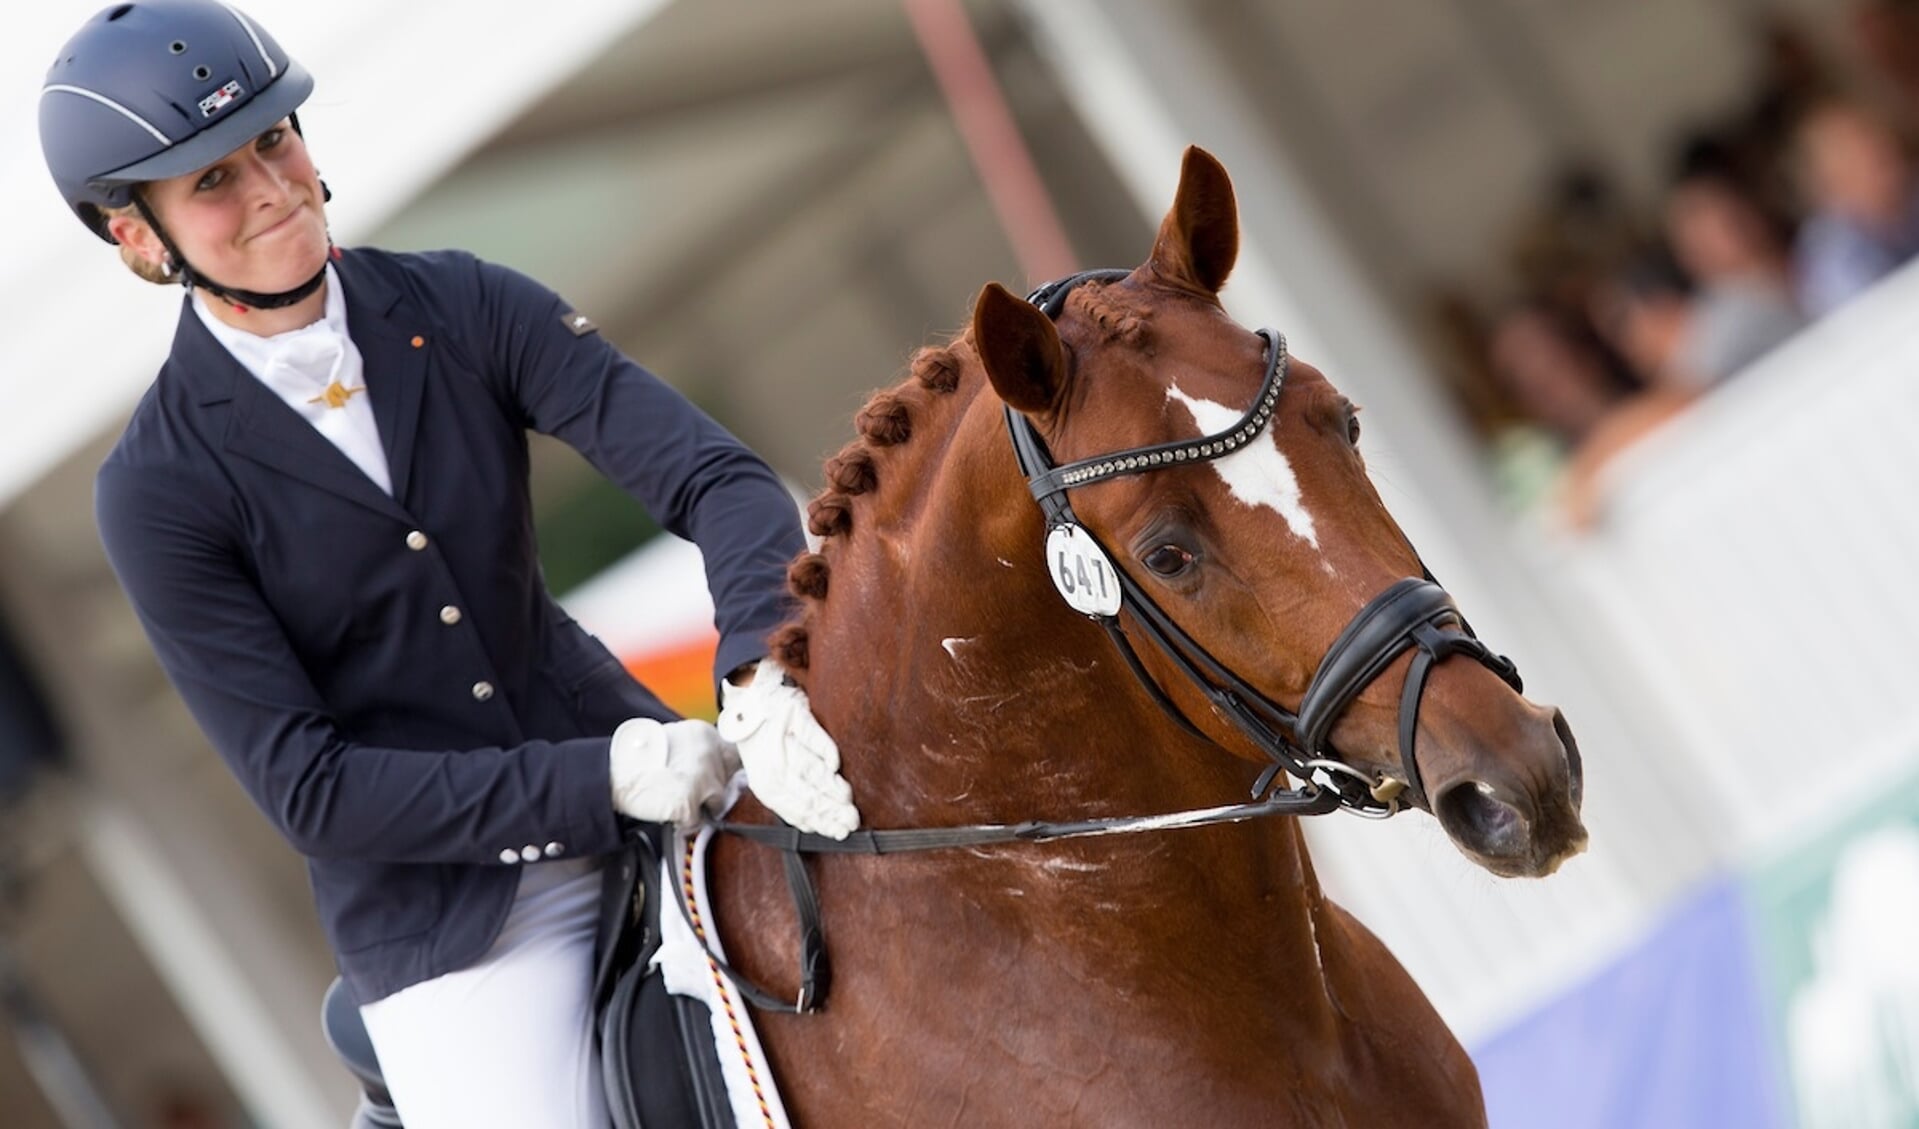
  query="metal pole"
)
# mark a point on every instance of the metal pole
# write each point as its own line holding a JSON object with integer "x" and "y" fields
{"x": 992, "y": 137}
{"x": 48, "y": 1055}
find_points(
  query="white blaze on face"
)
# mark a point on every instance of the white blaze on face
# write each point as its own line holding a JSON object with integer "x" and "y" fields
{"x": 1257, "y": 474}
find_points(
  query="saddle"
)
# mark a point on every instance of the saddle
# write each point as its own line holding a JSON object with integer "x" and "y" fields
{"x": 657, "y": 1058}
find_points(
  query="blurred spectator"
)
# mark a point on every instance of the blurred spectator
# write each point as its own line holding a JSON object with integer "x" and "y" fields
{"x": 1792, "y": 76}
{"x": 1581, "y": 493}
{"x": 1563, "y": 249}
{"x": 1739, "y": 279}
{"x": 1643, "y": 310}
{"x": 1885, "y": 35}
{"x": 1564, "y": 382}
{"x": 1741, "y": 304}
{"x": 1751, "y": 147}
{"x": 1679, "y": 342}
{"x": 1683, "y": 338}
{"x": 1865, "y": 204}
{"x": 1455, "y": 333}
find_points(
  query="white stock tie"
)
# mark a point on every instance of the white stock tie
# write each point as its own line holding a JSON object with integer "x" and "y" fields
{"x": 306, "y": 367}
{"x": 308, "y": 356}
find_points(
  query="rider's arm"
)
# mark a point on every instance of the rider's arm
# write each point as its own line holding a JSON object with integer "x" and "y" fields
{"x": 229, "y": 658}
{"x": 693, "y": 477}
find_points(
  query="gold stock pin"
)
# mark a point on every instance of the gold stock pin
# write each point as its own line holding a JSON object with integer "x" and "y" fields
{"x": 336, "y": 395}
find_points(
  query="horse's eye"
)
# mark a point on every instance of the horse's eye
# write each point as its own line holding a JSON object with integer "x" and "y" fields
{"x": 1352, "y": 427}
{"x": 1169, "y": 560}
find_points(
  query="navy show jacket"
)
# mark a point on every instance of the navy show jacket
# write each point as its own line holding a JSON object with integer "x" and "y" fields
{"x": 388, "y": 676}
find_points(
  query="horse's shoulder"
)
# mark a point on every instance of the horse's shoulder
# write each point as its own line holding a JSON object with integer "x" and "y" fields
{"x": 1400, "y": 1039}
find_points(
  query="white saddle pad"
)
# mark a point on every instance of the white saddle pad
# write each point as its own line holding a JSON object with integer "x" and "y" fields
{"x": 687, "y": 970}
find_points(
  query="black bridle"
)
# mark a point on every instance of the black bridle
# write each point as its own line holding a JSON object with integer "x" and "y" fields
{"x": 1412, "y": 614}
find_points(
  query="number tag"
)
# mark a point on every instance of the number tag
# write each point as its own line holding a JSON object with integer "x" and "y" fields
{"x": 1081, "y": 572}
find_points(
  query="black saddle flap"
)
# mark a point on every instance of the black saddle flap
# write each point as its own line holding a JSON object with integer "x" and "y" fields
{"x": 656, "y": 1049}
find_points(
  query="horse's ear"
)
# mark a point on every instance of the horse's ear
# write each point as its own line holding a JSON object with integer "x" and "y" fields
{"x": 1199, "y": 238}
{"x": 1020, "y": 348}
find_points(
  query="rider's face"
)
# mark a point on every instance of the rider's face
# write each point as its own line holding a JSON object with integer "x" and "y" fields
{"x": 253, "y": 220}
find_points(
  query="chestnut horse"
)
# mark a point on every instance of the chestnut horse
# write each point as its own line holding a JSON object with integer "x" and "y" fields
{"x": 1173, "y": 976}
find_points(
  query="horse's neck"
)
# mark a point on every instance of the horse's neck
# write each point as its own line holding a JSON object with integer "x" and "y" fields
{"x": 962, "y": 689}
{"x": 956, "y": 681}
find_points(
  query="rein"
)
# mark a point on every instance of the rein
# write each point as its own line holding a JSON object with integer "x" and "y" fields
{"x": 794, "y": 844}
{"x": 908, "y": 840}
{"x": 1412, "y": 614}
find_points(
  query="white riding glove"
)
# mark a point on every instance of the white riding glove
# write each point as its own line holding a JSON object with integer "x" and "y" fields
{"x": 667, "y": 773}
{"x": 791, "y": 763}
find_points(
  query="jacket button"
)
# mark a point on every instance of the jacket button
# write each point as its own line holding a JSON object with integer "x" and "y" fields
{"x": 449, "y": 615}
{"x": 509, "y": 855}
{"x": 482, "y": 691}
{"x": 530, "y": 853}
{"x": 416, "y": 540}
{"x": 555, "y": 850}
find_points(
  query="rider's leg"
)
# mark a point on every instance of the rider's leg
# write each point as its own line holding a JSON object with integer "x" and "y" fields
{"x": 507, "y": 1042}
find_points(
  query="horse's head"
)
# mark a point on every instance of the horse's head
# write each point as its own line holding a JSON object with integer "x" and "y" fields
{"x": 1225, "y": 483}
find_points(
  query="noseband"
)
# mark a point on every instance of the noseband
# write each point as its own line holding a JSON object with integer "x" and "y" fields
{"x": 1414, "y": 614}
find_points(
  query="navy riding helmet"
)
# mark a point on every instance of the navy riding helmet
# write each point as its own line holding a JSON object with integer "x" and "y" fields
{"x": 156, "y": 89}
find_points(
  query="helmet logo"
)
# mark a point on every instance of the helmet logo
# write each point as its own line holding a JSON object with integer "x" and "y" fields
{"x": 220, "y": 99}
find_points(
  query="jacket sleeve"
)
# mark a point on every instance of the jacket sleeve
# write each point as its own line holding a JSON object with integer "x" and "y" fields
{"x": 693, "y": 477}
{"x": 229, "y": 659}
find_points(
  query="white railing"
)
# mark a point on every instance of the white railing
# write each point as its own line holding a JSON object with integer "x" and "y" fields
{"x": 1760, "y": 567}
{"x": 1751, "y": 601}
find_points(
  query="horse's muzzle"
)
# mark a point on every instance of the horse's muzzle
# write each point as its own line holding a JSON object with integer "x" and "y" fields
{"x": 1514, "y": 830}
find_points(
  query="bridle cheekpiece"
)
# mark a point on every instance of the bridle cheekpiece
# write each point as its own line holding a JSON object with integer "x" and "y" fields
{"x": 1412, "y": 614}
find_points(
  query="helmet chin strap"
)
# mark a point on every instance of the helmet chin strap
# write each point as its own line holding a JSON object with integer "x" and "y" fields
{"x": 241, "y": 300}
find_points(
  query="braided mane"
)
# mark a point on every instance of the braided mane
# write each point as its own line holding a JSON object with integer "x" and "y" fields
{"x": 886, "y": 425}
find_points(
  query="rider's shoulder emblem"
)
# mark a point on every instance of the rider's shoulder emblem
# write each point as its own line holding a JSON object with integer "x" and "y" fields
{"x": 578, "y": 323}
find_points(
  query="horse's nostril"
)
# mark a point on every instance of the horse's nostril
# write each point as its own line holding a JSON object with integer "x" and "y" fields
{"x": 1471, "y": 813}
{"x": 1575, "y": 771}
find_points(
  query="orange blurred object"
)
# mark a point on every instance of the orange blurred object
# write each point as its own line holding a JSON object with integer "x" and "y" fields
{"x": 680, "y": 673}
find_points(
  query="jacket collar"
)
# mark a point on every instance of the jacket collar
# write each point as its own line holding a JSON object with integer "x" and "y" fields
{"x": 393, "y": 341}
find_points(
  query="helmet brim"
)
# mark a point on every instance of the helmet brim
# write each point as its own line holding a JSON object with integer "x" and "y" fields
{"x": 277, "y": 101}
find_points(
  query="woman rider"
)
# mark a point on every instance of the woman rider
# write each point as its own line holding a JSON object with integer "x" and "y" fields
{"x": 320, "y": 512}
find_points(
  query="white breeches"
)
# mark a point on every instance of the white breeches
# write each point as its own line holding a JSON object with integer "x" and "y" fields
{"x": 507, "y": 1042}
